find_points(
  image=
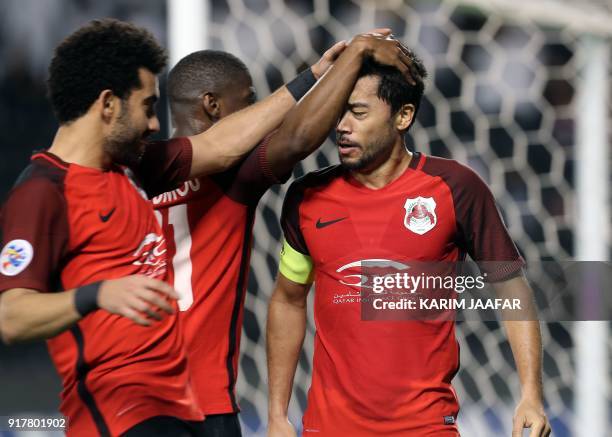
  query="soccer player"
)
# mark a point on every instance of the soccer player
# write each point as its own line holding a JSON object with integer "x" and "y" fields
{"x": 382, "y": 202}
{"x": 209, "y": 220}
{"x": 83, "y": 258}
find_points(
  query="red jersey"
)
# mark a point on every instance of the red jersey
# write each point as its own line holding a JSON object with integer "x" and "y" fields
{"x": 65, "y": 226}
{"x": 373, "y": 378}
{"x": 208, "y": 224}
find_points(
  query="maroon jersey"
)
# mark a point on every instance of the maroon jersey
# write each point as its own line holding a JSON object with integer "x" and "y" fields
{"x": 387, "y": 377}
{"x": 65, "y": 226}
{"x": 208, "y": 224}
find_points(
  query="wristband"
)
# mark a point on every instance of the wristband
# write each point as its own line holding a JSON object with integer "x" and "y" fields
{"x": 301, "y": 84}
{"x": 86, "y": 298}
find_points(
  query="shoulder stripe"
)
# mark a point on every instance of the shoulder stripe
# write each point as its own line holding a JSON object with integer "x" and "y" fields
{"x": 52, "y": 159}
{"x": 417, "y": 161}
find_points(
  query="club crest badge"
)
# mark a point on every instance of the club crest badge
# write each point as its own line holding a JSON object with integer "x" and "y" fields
{"x": 420, "y": 214}
{"x": 15, "y": 257}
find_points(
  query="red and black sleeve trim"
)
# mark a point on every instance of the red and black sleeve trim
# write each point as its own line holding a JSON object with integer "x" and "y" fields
{"x": 247, "y": 181}
{"x": 290, "y": 216}
{"x": 480, "y": 229}
{"x": 36, "y": 212}
{"x": 165, "y": 165}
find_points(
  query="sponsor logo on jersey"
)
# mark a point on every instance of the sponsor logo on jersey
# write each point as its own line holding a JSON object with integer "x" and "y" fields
{"x": 172, "y": 196}
{"x": 354, "y": 277}
{"x": 420, "y": 214}
{"x": 360, "y": 280}
{"x": 151, "y": 255}
{"x": 106, "y": 217}
{"x": 321, "y": 224}
{"x": 15, "y": 257}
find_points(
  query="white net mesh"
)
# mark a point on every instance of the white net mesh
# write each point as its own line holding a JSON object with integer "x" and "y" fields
{"x": 500, "y": 99}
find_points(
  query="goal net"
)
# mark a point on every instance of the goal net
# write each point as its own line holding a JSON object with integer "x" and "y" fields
{"x": 501, "y": 98}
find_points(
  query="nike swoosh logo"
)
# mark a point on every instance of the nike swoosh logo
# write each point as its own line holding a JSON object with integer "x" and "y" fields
{"x": 321, "y": 224}
{"x": 106, "y": 217}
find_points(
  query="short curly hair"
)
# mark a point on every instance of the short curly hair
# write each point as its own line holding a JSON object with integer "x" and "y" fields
{"x": 211, "y": 71}
{"x": 104, "y": 54}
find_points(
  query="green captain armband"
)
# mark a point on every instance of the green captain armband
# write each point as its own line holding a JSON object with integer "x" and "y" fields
{"x": 295, "y": 266}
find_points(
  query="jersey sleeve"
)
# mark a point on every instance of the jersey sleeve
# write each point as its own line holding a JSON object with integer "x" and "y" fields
{"x": 34, "y": 238}
{"x": 482, "y": 232}
{"x": 295, "y": 262}
{"x": 251, "y": 178}
{"x": 165, "y": 165}
{"x": 290, "y": 218}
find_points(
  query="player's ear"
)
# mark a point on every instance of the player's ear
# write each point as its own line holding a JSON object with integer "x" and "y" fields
{"x": 211, "y": 106}
{"x": 109, "y": 103}
{"x": 404, "y": 117}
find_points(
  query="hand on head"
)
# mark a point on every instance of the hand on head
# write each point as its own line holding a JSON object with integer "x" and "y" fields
{"x": 384, "y": 49}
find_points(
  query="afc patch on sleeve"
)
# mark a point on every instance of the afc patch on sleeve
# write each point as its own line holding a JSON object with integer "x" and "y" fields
{"x": 16, "y": 255}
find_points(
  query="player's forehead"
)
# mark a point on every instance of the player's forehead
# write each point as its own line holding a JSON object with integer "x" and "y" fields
{"x": 365, "y": 90}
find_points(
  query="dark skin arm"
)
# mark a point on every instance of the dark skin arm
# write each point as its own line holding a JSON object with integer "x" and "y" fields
{"x": 233, "y": 137}
{"x": 305, "y": 127}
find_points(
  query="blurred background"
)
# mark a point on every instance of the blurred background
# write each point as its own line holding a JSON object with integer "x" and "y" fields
{"x": 518, "y": 90}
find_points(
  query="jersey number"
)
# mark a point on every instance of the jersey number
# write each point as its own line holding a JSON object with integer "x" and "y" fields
{"x": 181, "y": 262}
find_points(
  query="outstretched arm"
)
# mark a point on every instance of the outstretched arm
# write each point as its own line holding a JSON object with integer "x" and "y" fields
{"x": 230, "y": 139}
{"x": 308, "y": 123}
